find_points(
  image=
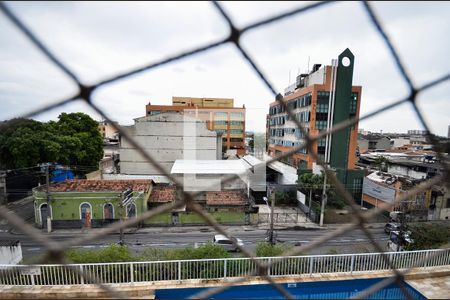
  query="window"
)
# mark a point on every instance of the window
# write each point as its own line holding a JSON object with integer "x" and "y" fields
{"x": 448, "y": 202}
{"x": 225, "y": 242}
{"x": 220, "y": 116}
{"x": 131, "y": 210}
{"x": 220, "y": 122}
{"x": 237, "y": 116}
{"x": 236, "y": 140}
{"x": 108, "y": 211}
{"x": 86, "y": 214}
{"x": 353, "y": 103}
{"x": 321, "y": 125}
{"x": 236, "y": 131}
{"x": 237, "y": 123}
{"x": 357, "y": 188}
{"x": 322, "y": 108}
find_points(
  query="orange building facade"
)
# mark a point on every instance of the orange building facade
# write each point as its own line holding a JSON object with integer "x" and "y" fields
{"x": 310, "y": 105}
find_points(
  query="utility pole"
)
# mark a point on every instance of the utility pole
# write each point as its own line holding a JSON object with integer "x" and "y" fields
{"x": 123, "y": 208}
{"x": 324, "y": 199}
{"x": 310, "y": 199}
{"x": 47, "y": 183}
{"x": 272, "y": 208}
{"x": 125, "y": 200}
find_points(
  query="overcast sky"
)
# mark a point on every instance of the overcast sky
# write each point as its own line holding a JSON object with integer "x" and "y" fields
{"x": 98, "y": 40}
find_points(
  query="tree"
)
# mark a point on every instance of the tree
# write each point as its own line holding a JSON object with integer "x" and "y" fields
{"x": 381, "y": 163}
{"x": 309, "y": 182}
{"x": 74, "y": 140}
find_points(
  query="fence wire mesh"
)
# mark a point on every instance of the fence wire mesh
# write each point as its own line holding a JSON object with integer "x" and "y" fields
{"x": 56, "y": 250}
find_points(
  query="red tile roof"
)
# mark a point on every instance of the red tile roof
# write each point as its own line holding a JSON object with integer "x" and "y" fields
{"x": 163, "y": 193}
{"x": 234, "y": 198}
{"x": 83, "y": 185}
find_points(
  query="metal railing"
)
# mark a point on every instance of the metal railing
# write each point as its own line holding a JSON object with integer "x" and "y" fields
{"x": 236, "y": 35}
{"x": 221, "y": 268}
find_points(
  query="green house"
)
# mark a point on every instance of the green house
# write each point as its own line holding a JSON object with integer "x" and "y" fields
{"x": 90, "y": 203}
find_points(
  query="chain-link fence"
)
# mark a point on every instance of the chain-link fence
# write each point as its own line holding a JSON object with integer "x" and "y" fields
{"x": 56, "y": 250}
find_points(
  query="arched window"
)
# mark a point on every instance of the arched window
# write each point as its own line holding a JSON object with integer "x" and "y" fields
{"x": 108, "y": 211}
{"x": 131, "y": 210}
{"x": 85, "y": 214}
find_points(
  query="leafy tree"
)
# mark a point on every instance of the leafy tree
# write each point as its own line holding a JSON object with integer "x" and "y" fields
{"x": 314, "y": 182}
{"x": 74, "y": 139}
{"x": 381, "y": 163}
{"x": 286, "y": 198}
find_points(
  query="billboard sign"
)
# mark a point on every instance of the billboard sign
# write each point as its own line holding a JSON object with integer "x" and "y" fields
{"x": 378, "y": 191}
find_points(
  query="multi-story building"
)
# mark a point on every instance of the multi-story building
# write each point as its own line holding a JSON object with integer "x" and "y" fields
{"x": 219, "y": 113}
{"x": 417, "y": 132}
{"x": 373, "y": 142}
{"x": 167, "y": 137}
{"x": 320, "y": 99}
{"x": 107, "y": 130}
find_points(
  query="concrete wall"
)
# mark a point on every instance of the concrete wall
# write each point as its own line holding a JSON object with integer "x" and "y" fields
{"x": 400, "y": 142}
{"x": 165, "y": 138}
{"x": 383, "y": 143}
{"x": 405, "y": 171}
{"x": 363, "y": 145}
{"x": 211, "y": 182}
{"x": 10, "y": 255}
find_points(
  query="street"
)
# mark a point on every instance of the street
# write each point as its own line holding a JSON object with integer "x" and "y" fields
{"x": 350, "y": 242}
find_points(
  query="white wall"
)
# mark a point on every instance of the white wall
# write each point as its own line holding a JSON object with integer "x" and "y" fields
{"x": 405, "y": 171}
{"x": 317, "y": 77}
{"x": 10, "y": 255}
{"x": 399, "y": 142}
{"x": 165, "y": 138}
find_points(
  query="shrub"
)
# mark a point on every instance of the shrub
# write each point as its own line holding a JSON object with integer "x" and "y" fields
{"x": 111, "y": 253}
{"x": 267, "y": 250}
{"x": 206, "y": 251}
{"x": 428, "y": 236}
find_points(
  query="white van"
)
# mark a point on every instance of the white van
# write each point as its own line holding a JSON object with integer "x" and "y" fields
{"x": 227, "y": 243}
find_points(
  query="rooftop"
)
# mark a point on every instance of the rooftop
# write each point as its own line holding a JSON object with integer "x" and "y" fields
{"x": 83, "y": 185}
{"x": 234, "y": 198}
{"x": 163, "y": 193}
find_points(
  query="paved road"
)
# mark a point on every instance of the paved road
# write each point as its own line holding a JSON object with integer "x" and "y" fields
{"x": 143, "y": 240}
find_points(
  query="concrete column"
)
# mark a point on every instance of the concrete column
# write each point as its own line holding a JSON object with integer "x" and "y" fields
{"x": 49, "y": 224}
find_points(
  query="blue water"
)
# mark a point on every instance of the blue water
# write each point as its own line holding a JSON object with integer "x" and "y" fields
{"x": 341, "y": 289}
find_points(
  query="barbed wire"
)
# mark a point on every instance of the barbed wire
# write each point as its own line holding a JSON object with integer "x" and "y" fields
{"x": 235, "y": 34}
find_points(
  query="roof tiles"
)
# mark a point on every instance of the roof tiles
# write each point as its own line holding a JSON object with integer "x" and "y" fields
{"x": 83, "y": 185}
{"x": 234, "y": 198}
{"x": 163, "y": 193}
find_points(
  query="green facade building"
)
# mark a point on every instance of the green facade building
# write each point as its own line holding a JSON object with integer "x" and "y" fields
{"x": 90, "y": 203}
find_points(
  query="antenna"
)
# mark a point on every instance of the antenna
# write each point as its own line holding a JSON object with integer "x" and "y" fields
{"x": 308, "y": 64}
{"x": 289, "y": 77}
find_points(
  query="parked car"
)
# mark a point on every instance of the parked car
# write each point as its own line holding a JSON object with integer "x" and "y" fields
{"x": 391, "y": 226}
{"x": 227, "y": 243}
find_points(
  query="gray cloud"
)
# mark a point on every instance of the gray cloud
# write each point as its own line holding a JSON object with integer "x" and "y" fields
{"x": 98, "y": 40}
